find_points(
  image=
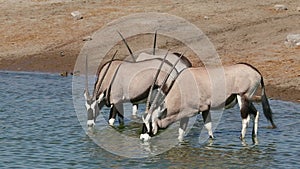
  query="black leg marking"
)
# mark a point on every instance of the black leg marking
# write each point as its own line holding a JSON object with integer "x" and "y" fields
{"x": 145, "y": 130}
{"x": 207, "y": 122}
{"x": 120, "y": 111}
{"x": 245, "y": 109}
{"x": 206, "y": 117}
{"x": 112, "y": 113}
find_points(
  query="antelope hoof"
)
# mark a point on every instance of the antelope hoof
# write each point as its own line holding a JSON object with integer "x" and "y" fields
{"x": 145, "y": 137}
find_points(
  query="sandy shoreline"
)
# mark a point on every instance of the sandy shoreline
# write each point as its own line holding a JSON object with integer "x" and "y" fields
{"x": 43, "y": 36}
{"x": 273, "y": 92}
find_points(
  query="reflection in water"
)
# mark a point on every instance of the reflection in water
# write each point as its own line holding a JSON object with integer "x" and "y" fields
{"x": 219, "y": 156}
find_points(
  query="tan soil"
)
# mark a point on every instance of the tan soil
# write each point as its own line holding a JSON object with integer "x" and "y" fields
{"x": 34, "y": 33}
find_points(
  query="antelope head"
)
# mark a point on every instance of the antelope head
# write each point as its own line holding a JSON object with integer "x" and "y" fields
{"x": 93, "y": 107}
{"x": 95, "y": 102}
{"x": 153, "y": 112}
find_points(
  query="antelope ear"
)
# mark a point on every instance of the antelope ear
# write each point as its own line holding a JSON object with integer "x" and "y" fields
{"x": 86, "y": 94}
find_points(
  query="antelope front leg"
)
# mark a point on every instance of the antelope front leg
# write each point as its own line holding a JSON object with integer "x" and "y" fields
{"x": 134, "y": 110}
{"x": 120, "y": 111}
{"x": 112, "y": 115}
{"x": 183, "y": 125}
{"x": 207, "y": 123}
{"x": 115, "y": 110}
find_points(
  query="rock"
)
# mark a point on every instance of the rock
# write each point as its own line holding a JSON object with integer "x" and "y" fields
{"x": 206, "y": 17}
{"x": 256, "y": 99}
{"x": 292, "y": 40}
{"x": 62, "y": 53}
{"x": 64, "y": 74}
{"x": 87, "y": 38}
{"x": 76, "y": 73}
{"x": 280, "y": 7}
{"x": 77, "y": 15}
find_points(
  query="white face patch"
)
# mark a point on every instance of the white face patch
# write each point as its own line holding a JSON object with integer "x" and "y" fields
{"x": 87, "y": 106}
{"x": 146, "y": 121}
{"x": 145, "y": 137}
{"x": 92, "y": 106}
{"x": 90, "y": 123}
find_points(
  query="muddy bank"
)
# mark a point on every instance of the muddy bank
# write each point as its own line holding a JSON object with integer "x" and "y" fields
{"x": 42, "y": 35}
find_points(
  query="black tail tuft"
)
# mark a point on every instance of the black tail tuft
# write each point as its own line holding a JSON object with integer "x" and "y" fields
{"x": 265, "y": 104}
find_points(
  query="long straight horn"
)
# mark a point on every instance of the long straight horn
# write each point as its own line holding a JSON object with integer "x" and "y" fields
{"x": 155, "y": 78}
{"x": 164, "y": 82}
{"x": 125, "y": 42}
{"x": 154, "y": 42}
{"x": 86, "y": 78}
{"x": 105, "y": 72}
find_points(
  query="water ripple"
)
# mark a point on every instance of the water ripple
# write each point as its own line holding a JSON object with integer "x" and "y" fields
{"x": 39, "y": 129}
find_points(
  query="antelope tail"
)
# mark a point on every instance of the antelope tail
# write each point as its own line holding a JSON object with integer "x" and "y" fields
{"x": 265, "y": 104}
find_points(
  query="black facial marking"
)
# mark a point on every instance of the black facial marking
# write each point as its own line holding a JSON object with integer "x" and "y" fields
{"x": 145, "y": 130}
{"x": 90, "y": 115}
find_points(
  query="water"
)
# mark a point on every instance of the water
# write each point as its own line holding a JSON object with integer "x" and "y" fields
{"x": 39, "y": 129}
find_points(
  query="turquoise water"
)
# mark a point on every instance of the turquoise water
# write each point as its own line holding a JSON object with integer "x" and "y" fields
{"x": 39, "y": 129}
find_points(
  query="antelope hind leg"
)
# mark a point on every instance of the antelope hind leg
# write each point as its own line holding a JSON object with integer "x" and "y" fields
{"x": 244, "y": 105}
{"x": 252, "y": 110}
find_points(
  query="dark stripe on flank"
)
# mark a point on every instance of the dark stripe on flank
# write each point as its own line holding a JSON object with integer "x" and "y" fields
{"x": 247, "y": 64}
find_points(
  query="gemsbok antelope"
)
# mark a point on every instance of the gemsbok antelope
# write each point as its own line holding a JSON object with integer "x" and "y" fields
{"x": 117, "y": 72}
{"x": 123, "y": 81}
{"x": 192, "y": 94}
